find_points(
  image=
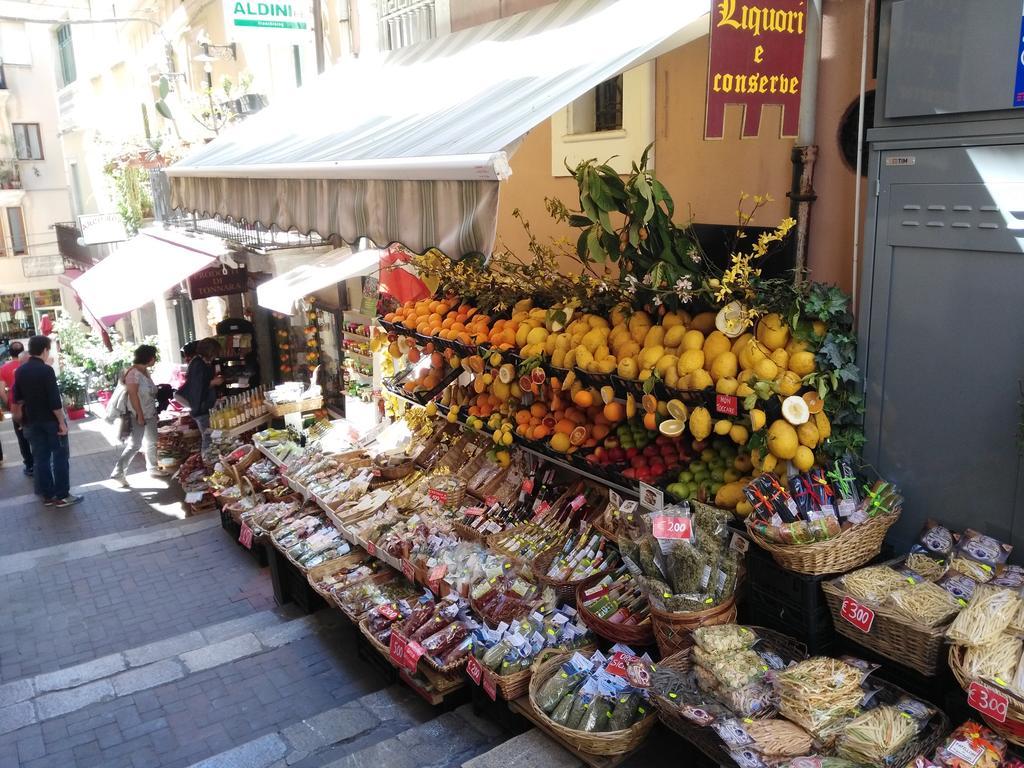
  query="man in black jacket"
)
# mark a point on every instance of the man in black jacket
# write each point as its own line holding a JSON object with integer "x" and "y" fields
{"x": 41, "y": 412}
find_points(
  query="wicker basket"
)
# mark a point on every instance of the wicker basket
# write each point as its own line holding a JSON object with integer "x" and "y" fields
{"x": 566, "y": 590}
{"x": 635, "y": 635}
{"x": 466, "y": 533}
{"x": 381, "y": 578}
{"x": 299, "y": 406}
{"x": 674, "y": 630}
{"x": 316, "y": 572}
{"x": 607, "y": 743}
{"x": 850, "y": 549}
{"x": 387, "y": 471}
{"x": 1013, "y": 728}
{"x": 453, "y": 489}
{"x": 892, "y": 636}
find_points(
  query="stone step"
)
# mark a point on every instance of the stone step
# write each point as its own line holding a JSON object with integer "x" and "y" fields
{"x": 527, "y": 750}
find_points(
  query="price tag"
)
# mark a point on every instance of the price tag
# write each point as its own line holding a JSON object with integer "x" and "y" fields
{"x": 727, "y": 404}
{"x": 437, "y": 573}
{"x": 474, "y": 670}
{"x": 194, "y": 497}
{"x": 245, "y": 537}
{"x": 859, "y": 615}
{"x": 408, "y": 570}
{"x": 396, "y": 649}
{"x": 490, "y": 688}
{"x": 388, "y": 612}
{"x": 528, "y": 485}
{"x": 739, "y": 544}
{"x": 438, "y": 495}
{"x": 490, "y": 501}
{"x": 990, "y": 703}
{"x": 216, "y": 434}
{"x": 618, "y": 663}
{"x": 673, "y": 527}
{"x": 578, "y": 502}
{"x": 371, "y": 549}
{"x": 473, "y": 511}
{"x": 614, "y": 498}
{"x": 651, "y": 497}
{"x": 413, "y": 651}
{"x": 541, "y": 509}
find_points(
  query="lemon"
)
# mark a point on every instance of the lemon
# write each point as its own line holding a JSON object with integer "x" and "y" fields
{"x": 693, "y": 340}
{"x": 674, "y": 335}
{"x": 700, "y": 379}
{"x": 431, "y": 408}
{"x": 801, "y": 363}
{"x": 607, "y": 394}
{"x": 824, "y": 426}
{"x": 729, "y": 495}
{"x": 731, "y": 319}
{"x": 649, "y": 356}
{"x": 690, "y": 361}
{"x": 627, "y": 368}
{"x": 757, "y": 419}
{"x": 715, "y": 344}
{"x": 506, "y": 437}
{"x": 782, "y": 440}
{"x": 744, "y": 508}
{"x": 722, "y": 427}
{"x": 630, "y": 405}
{"x": 766, "y": 369}
{"x": 804, "y": 458}
{"x": 677, "y": 409}
{"x": 560, "y": 442}
{"x": 671, "y": 427}
{"x": 769, "y": 464}
{"x": 700, "y": 423}
{"x": 665, "y": 364}
{"x": 808, "y": 434}
{"x": 743, "y": 390}
{"x": 655, "y": 336}
{"x": 726, "y": 385}
{"x": 739, "y": 434}
{"x": 781, "y": 358}
{"x": 795, "y": 411}
{"x": 788, "y": 383}
{"x": 772, "y": 331}
{"x": 724, "y": 365}
{"x": 741, "y": 342}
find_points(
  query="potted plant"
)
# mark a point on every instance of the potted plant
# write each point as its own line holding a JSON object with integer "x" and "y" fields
{"x": 72, "y": 388}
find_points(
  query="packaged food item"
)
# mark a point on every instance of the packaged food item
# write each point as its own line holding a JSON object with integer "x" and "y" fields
{"x": 996, "y": 661}
{"x": 986, "y": 617}
{"x": 1011, "y": 576}
{"x": 817, "y": 691}
{"x": 971, "y": 746}
{"x": 875, "y": 583}
{"x": 556, "y": 687}
{"x": 925, "y": 604}
{"x": 722, "y": 638}
{"x": 629, "y": 709}
{"x": 778, "y": 738}
{"x": 983, "y": 549}
{"x": 959, "y": 586}
{"x": 874, "y": 736}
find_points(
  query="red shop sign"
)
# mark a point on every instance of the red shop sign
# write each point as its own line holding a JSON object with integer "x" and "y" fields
{"x": 756, "y": 57}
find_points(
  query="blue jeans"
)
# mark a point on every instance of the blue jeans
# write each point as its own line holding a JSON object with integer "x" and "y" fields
{"x": 51, "y": 458}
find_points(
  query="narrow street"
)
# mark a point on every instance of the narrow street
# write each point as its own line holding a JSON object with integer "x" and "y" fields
{"x": 133, "y": 636}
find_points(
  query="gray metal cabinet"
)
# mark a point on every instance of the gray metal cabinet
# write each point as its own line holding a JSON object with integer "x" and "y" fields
{"x": 942, "y": 333}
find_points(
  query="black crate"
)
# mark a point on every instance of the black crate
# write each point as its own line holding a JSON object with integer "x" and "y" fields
{"x": 801, "y": 593}
{"x": 290, "y": 584}
{"x": 372, "y": 657}
{"x": 812, "y": 628}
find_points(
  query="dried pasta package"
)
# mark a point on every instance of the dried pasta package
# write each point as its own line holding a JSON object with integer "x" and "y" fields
{"x": 925, "y": 604}
{"x": 1017, "y": 622}
{"x": 750, "y": 701}
{"x": 980, "y": 572}
{"x": 996, "y": 661}
{"x": 926, "y": 565}
{"x": 873, "y": 737}
{"x": 971, "y": 746}
{"x": 983, "y": 549}
{"x": 779, "y": 738}
{"x": 722, "y": 638}
{"x": 935, "y": 540}
{"x": 874, "y": 584}
{"x": 1011, "y": 576}
{"x": 959, "y": 586}
{"x": 985, "y": 618}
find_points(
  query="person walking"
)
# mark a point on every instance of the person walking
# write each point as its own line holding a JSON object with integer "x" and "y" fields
{"x": 38, "y": 406}
{"x": 201, "y": 382}
{"x": 18, "y": 356}
{"x": 140, "y": 415}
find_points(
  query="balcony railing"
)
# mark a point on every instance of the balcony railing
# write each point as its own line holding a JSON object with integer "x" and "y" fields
{"x": 68, "y": 235}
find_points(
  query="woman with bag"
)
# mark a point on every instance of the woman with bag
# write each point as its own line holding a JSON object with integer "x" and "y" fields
{"x": 201, "y": 382}
{"x": 138, "y": 415}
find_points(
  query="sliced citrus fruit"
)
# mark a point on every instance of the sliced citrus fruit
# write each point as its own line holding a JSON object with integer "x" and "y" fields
{"x": 814, "y": 403}
{"x": 507, "y": 373}
{"x": 795, "y": 410}
{"x": 578, "y": 436}
{"x": 570, "y": 378}
{"x": 496, "y": 359}
{"x": 630, "y": 405}
{"x": 671, "y": 427}
{"x": 650, "y": 403}
{"x": 731, "y": 319}
{"x": 607, "y": 394}
{"x": 525, "y": 383}
{"x": 538, "y": 376}
{"x": 677, "y": 410}
{"x": 476, "y": 363}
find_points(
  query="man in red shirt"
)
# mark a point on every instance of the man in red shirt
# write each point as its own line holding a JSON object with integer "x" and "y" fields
{"x": 7, "y": 377}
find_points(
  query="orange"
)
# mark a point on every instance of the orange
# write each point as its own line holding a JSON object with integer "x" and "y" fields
{"x": 539, "y": 432}
{"x": 522, "y": 417}
{"x": 650, "y": 403}
{"x": 600, "y": 431}
{"x": 436, "y": 360}
{"x": 614, "y": 412}
{"x": 539, "y": 410}
{"x": 565, "y": 425}
{"x": 413, "y": 355}
{"x": 583, "y": 399}
{"x": 651, "y": 421}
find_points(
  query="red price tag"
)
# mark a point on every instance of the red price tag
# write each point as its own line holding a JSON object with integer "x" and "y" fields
{"x": 438, "y": 496}
{"x": 618, "y": 663}
{"x": 245, "y": 536}
{"x": 541, "y": 509}
{"x": 388, "y": 612}
{"x": 371, "y": 548}
{"x": 474, "y": 670}
{"x": 673, "y": 527}
{"x": 408, "y": 570}
{"x": 413, "y": 651}
{"x": 397, "y": 649}
{"x": 490, "y": 501}
{"x": 437, "y": 573}
{"x": 578, "y": 502}
{"x": 474, "y": 511}
{"x": 490, "y": 688}
{"x": 528, "y": 485}
{"x": 859, "y": 615}
{"x": 990, "y": 703}
{"x": 727, "y": 404}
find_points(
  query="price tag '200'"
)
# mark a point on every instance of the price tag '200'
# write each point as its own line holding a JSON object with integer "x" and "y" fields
{"x": 673, "y": 527}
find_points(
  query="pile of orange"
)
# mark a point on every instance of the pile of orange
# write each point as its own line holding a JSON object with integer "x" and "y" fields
{"x": 428, "y": 377}
{"x": 486, "y": 403}
{"x": 503, "y": 334}
{"x": 444, "y": 318}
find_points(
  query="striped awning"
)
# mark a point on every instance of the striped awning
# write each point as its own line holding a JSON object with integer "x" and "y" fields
{"x": 410, "y": 147}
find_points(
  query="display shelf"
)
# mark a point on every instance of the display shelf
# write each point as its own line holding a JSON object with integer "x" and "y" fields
{"x": 359, "y": 355}
{"x": 625, "y": 491}
{"x": 354, "y": 335}
{"x": 241, "y": 429}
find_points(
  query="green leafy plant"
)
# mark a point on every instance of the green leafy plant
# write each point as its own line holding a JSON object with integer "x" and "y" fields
{"x": 71, "y": 382}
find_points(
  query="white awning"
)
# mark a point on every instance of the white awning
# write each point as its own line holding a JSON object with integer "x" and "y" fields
{"x": 281, "y": 293}
{"x": 144, "y": 267}
{"x": 410, "y": 147}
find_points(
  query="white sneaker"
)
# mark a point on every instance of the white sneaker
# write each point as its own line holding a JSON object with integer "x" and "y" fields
{"x": 121, "y": 480}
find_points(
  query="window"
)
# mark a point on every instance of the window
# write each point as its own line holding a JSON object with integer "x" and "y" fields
{"x": 615, "y": 119}
{"x": 403, "y": 23}
{"x": 16, "y": 228}
{"x": 27, "y": 142}
{"x": 66, "y": 54}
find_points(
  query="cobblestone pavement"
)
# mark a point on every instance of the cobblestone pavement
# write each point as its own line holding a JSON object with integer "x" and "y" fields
{"x": 134, "y": 637}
